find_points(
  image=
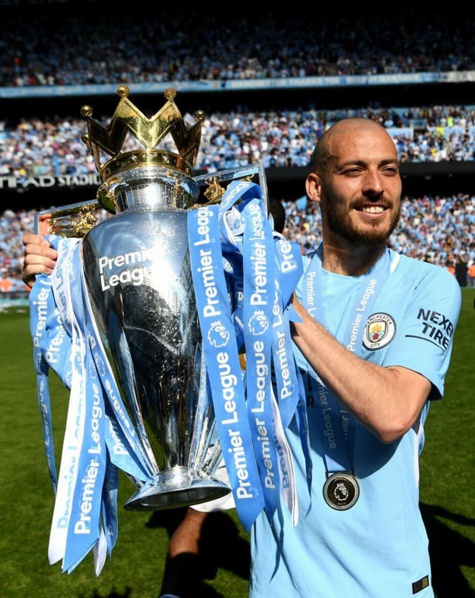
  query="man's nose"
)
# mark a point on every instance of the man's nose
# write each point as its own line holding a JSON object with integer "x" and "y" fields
{"x": 373, "y": 183}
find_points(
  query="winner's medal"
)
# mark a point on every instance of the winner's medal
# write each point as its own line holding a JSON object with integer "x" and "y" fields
{"x": 337, "y": 425}
{"x": 341, "y": 491}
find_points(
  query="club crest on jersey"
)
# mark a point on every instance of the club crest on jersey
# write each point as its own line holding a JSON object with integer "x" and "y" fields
{"x": 379, "y": 331}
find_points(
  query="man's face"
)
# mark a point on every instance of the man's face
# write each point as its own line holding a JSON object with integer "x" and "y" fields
{"x": 361, "y": 188}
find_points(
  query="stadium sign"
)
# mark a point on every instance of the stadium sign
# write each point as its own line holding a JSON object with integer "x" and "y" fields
{"x": 48, "y": 181}
{"x": 328, "y": 81}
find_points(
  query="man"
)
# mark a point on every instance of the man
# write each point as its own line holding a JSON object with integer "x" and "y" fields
{"x": 373, "y": 333}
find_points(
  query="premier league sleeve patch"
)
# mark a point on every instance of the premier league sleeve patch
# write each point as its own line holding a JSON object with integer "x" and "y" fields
{"x": 379, "y": 331}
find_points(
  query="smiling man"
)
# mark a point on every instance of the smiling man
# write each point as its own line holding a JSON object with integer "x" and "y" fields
{"x": 373, "y": 338}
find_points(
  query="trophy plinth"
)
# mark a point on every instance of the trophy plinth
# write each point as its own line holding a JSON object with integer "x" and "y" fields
{"x": 176, "y": 487}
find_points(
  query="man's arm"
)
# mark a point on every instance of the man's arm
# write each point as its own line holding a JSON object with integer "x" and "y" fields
{"x": 388, "y": 400}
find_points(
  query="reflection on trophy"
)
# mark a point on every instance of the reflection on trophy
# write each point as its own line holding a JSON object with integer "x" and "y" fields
{"x": 138, "y": 276}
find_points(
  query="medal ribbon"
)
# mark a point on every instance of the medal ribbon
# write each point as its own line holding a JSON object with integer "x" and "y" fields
{"x": 336, "y": 424}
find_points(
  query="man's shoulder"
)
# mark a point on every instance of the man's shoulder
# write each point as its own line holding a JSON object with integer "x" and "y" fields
{"x": 420, "y": 267}
{"x": 429, "y": 280}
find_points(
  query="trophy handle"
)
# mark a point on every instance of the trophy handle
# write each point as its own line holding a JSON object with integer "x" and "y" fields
{"x": 73, "y": 220}
{"x": 215, "y": 191}
{"x": 77, "y": 219}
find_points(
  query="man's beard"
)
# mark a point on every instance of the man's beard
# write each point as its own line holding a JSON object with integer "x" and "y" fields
{"x": 339, "y": 222}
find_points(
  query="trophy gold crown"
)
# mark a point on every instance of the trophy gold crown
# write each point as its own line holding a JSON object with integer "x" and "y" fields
{"x": 149, "y": 132}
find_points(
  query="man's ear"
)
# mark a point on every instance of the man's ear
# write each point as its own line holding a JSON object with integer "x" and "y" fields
{"x": 313, "y": 187}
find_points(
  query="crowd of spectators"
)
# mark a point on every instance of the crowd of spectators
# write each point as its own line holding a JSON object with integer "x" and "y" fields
{"x": 53, "y": 47}
{"x": 277, "y": 138}
{"x": 50, "y": 47}
{"x": 437, "y": 229}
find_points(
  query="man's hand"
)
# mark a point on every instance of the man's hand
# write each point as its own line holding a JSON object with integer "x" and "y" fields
{"x": 40, "y": 257}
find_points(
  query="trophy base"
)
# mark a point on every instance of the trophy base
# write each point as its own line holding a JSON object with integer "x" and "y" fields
{"x": 176, "y": 488}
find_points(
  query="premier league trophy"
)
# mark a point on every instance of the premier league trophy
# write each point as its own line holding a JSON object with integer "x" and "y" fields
{"x": 145, "y": 318}
{"x": 137, "y": 271}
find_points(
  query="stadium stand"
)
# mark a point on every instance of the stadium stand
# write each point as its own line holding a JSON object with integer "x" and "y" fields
{"x": 76, "y": 44}
{"x": 269, "y": 83}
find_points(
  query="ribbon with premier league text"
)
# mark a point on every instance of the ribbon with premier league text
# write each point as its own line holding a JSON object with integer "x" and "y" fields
{"x": 99, "y": 436}
{"x": 337, "y": 425}
{"x": 222, "y": 359}
{"x": 244, "y": 274}
{"x": 51, "y": 349}
{"x": 260, "y": 270}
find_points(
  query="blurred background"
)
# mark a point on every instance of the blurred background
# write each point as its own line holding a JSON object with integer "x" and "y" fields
{"x": 269, "y": 81}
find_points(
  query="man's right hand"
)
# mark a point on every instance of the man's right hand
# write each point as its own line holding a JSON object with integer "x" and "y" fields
{"x": 39, "y": 257}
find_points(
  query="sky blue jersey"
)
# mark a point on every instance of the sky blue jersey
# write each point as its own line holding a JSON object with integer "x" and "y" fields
{"x": 378, "y": 548}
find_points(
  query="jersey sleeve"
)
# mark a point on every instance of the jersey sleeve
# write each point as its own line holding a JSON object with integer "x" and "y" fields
{"x": 425, "y": 328}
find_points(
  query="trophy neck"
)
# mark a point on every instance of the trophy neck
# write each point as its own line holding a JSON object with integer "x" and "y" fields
{"x": 153, "y": 187}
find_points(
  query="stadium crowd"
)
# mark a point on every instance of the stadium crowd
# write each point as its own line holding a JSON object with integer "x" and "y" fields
{"x": 437, "y": 229}
{"x": 57, "y": 47}
{"x": 122, "y": 45}
{"x": 277, "y": 138}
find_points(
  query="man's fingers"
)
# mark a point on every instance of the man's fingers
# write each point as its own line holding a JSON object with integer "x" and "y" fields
{"x": 32, "y": 239}
{"x": 41, "y": 251}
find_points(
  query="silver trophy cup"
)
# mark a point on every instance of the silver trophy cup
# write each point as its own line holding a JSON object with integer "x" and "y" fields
{"x": 138, "y": 275}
